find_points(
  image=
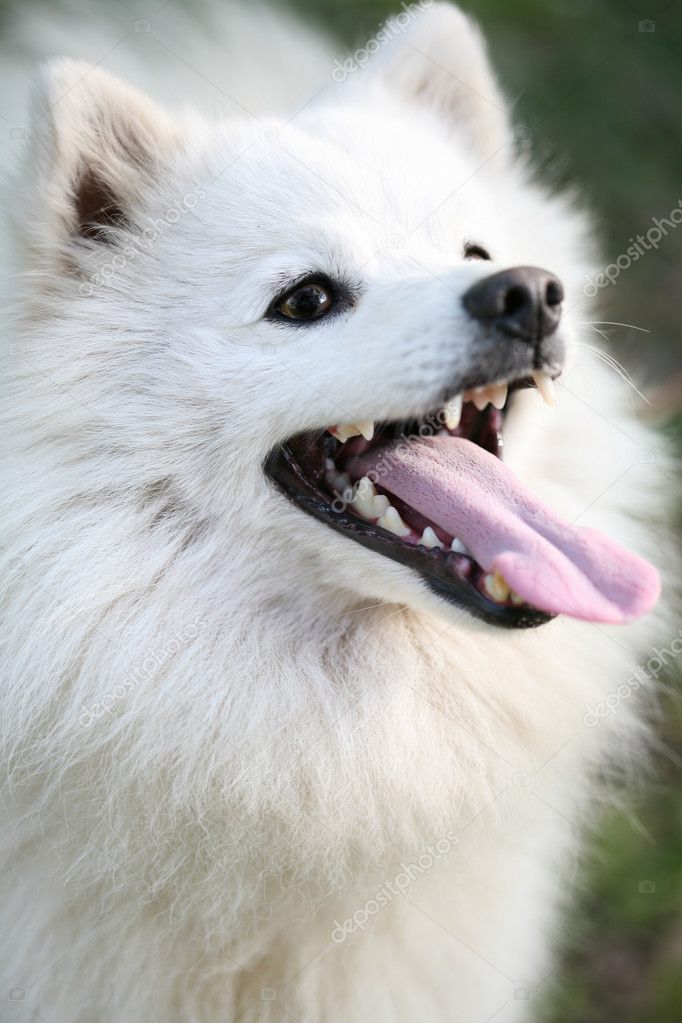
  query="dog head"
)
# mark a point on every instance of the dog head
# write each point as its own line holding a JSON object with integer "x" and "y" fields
{"x": 333, "y": 316}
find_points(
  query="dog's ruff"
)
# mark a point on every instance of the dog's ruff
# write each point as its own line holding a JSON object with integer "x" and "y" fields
{"x": 257, "y": 772}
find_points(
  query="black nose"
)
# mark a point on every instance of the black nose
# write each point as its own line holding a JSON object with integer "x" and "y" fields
{"x": 524, "y": 302}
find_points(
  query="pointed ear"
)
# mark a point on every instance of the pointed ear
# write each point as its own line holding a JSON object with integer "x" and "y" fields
{"x": 96, "y": 146}
{"x": 437, "y": 57}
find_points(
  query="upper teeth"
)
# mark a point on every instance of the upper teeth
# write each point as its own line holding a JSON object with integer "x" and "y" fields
{"x": 545, "y": 386}
{"x": 498, "y": 394}
{"x": 495, "y": 394}
{"x": 345, "y": 431}
{"x": 452, "y": 412}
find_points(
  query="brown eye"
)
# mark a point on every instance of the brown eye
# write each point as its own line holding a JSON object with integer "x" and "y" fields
{"x": 307, "y": 302}
{"x": 476, "y": 252}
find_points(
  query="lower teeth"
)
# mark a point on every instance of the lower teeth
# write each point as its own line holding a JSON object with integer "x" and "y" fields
{"x": 430, "y": 540}
{"x": 366, "y": 502}
{"x": 496, "y": 588}
{"x": 362, "y": 497}
{"x": 391, "y": 521}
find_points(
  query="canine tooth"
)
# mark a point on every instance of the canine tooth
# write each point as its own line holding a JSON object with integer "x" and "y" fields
{"x": 498, "y": 394}
{"x": 366, "y": 429}
{"x": 329, "y": 465}
{"x": 545, "y": 386}
{"x": 496, "y": 587}
{"x": 458, "y": 547}
{"x": 516, "y": 598}
{"x": 391, "y": 521}
{"x": 452, "y": 412}
{"x": 429, "y": 539}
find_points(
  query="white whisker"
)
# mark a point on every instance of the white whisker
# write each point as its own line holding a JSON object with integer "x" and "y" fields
{"x": 612, "y": 363}
{"x": 614, "y": 323}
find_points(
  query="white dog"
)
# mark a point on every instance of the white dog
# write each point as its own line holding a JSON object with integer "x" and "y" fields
{"x": 295, "y": 668}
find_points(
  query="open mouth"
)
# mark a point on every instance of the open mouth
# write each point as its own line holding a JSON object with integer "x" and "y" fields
{"x": 434, "y": 495}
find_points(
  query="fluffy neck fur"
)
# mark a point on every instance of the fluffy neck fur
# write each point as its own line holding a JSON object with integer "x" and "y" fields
{"x": 276, "y": 752}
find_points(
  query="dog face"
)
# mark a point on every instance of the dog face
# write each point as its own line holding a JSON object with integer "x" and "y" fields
{"x": 313, "y": 319}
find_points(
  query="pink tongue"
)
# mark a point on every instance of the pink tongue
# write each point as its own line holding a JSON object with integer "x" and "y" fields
{"x": 553, "y": 565}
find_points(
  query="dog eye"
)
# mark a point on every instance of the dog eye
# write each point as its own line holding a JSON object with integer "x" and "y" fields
{"x": 308, "y": 301}
{"x": 476, "y": 252}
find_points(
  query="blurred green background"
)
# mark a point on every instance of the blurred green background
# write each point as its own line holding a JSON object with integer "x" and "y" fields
{"x": 599, "y": 84}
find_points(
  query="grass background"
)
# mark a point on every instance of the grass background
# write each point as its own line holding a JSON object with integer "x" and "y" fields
{"x": 603, "y": 100}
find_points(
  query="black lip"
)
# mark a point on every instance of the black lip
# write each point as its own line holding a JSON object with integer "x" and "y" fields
{"x": 437, "y": 570}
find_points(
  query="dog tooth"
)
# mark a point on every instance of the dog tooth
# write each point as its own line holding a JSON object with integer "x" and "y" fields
{"x": 429, "y": 539}
{"x": 340, "y": 481}
{"x": 331, "y": 475}
{"x": 516, "y": 598}
{"x": 363, "y": 498}
{"x": 391, "y": 521}
{"x": 496, "y": 587}
{"x": 381, "y": 504}
{"x": 365, "y": 486}
{"x": 452, "y": 412}
{"x": 458, "y": 547}
{"x": 329, "y": 464}
{"x": 545, "y": 386}
{"x": 498, "y": 394}
{"x": 344, "y": 431}
{"x": 366, "y": 428}
{"x": 480, "y": 398}
{"x": 374, "y": 503}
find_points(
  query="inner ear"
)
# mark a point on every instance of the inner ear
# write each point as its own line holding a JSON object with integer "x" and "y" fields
{"x": 98, "y": 149}
{"x": 97, "y": 208}
{"x": 99, "y": 205}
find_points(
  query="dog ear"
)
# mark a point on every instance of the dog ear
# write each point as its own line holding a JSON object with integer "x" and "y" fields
{"x": 95, "y": 146}
{"x": 437, "y": 57}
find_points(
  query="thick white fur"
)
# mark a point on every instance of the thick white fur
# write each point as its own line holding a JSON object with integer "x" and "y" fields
{"x": 297, "y": 717}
